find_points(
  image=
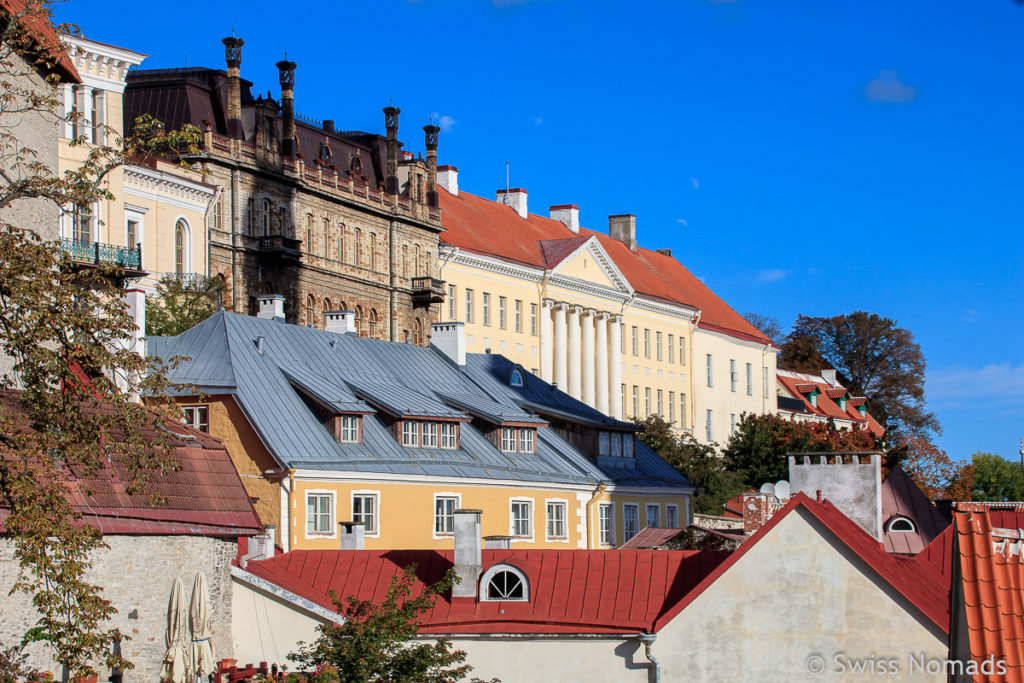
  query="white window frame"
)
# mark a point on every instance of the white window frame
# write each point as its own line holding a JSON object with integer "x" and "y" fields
{"x": 709, "y": 425}
{"x": 512, "y": 519}
{"x": 485, "y": 583}
{"x": 527, "y": 440}
{"x": 411, "y": 433}
{"x": 732, "y": 375}
{"x": 732, "y": 423}
{"x": 451, "y": 302}
{"x": 375, "y": 495}
{"x": 502, "y": 312}
{"x": 750, "y": 379}
{"x": 671, "y": 348}
{"x": 519, "y": 315}
{"x": 350, "y": 426}
{"x": 428, "y": 434}
{"x": 509, "y": 439}
{"x": 485, "y": 315}
{"x": 533, "y": 320}
{"x": 657, "y": 346}
{"x": 671, "y": 407}
{"x": 606, "y": 525}
{"x": 469, "y": 306}
{"x": 445, "y": 495}
{"x": 332, "y": 527}
{"x": 671, "y": 516}
{"x": 647, "y": 343}
{"x": 556, "y": 503}
{"x": 136, "y": 215}
{"x": 192, "y": 419}
{"x": 711, "y": 374}
{"x": 448, "y": 442}
{"x": 765, "y": 373}
{"x": 635, "y": 507}
{"x": 657, "y": 514}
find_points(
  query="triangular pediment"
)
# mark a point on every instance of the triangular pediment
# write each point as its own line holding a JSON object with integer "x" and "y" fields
{"x": 588, "y": 262}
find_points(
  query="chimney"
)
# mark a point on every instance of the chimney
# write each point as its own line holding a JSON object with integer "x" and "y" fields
{"x": 497, "y": 542}
{"x": 569, "y": 214}
{"x": 340, "y": 322}
{"x": 516, "y": 198}
{"x": 352, "y": 535}
{"x": 233, "y": 56}
{"x": 448, "y": 178}
{"x": 758, "y": 508}
{"x": 853, "y": 486}
{"x": 468, "y": 563}
{"x": 391, "y": 164}
{"x": 329, "y": 125}
{"x": 665, "y": 252}
{"x": 271, "y": 307}
{"x": 286, "y": 72}
{"x": 829, "y": 375}
{"x": 136, "y": 301}
{"x": 430, "y": 135}
{"x": 271, "y": 532}
{"x": 449, "y": 339}
{"x": 623, "y": 228}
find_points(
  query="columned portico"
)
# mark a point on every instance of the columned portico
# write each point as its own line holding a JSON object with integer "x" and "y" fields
{"x": 615, "y": 367}
{"x": 560, "y": 347}
{"x": 587, "y": 356}
{"x": 546, "y": 372}
{"x": 601, "y": 362}
{"x": 575, "y": 385}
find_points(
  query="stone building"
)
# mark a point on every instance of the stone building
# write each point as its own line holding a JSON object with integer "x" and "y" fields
{"x": 330, "y": 219}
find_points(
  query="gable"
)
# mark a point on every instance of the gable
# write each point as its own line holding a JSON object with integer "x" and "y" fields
{"x": 589, "y": 263}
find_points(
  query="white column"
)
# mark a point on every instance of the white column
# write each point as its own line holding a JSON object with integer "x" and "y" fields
{"x": 601, "y": 363}
{"x": 545, "y": 340}
{"x": 575, "y": 388}
{"x": 85, "y": 112}
{"x": 67, "y": 92}
{"x": 558, "y": 340}
{"x": 587, "y": 355}
{"x": 615, "y": 367}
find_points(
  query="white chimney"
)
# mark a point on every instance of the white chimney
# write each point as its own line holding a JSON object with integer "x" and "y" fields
{"x": 516, "y": 198}
{"x": 623, "y": 228}
{"x": 271, "y": 307}
{"x": 569, "y": 214}
{"x": 468, "y": 562}
{"x": 136, "y": 302}
{"x": 340, "y": 322}
{"x": 497, "y": 542}
{"x": 829, "y": 375}
{"x": 352, "y": 535}
{"x": 448, "y": 178}
{"x": 449, "y": 339}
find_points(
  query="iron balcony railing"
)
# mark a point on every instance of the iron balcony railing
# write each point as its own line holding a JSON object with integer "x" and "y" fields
{"x": 101, "y": 254}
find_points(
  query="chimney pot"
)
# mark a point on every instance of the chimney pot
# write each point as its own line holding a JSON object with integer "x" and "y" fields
{"x": 665, "y": 252}
{"x": 468, "y": 561}
{"x": 516, "y": 198}
{"x": 329, "y": 125}
{"x": 449, "y": 339}
{"x": 271, "y": 307}
{"x": 448, "y": 178}
{"x": 391, "y": 153}
{"x": 829, "y": 375}
{"x": 352, "y": 535}
{"x": 623, "y": 228}
{"x": 340, "y": 322}
{"x": 568, "y": 214}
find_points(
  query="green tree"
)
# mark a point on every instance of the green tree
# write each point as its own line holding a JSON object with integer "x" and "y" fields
{"x": 697, "y": 462}
{"x": 996, "y": 479}
{"x": 874, "y": 357}
{"x": 182, "y": 303}
{"x": 374, "y": 641}
{"x": 758, "y": 448}
{"x": 70, "y": 339}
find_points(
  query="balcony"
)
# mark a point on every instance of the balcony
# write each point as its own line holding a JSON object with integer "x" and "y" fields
{"x": 280, "y": 249}
{"x": 92, "y": 254}
{"x": 427, "y": 290}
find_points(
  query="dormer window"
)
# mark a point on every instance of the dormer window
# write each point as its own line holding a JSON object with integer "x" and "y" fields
{"x": 505, "y": 583}
{"x": 813, "y": 398}
{"x": 901, "y": 525}
{"x": 449, "y": 435}
{"x": 517, "y": 379}
{"x": 520, "y": 440}
{"x": 427, "y": 434}
{"x": 615, "y": 445}
{"x": 410, "y": 433}
{"x": 842, "y": 404}
{"x": 346, "y": 428}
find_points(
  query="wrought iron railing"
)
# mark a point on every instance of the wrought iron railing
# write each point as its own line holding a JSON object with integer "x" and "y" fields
{"x": 99, "y": 253}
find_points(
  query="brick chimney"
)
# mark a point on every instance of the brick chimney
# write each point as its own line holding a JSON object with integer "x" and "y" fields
{"x": 516, "y": 198}
{"x": 448, "y": 178}
{"x": 286, "y": 73}
{"x": 569, "y": 214}
{"x": 623, "y": 228}
{"x": 430, "y": 135}
{"x": 758, "y": 508}
{"x": 233, "y": 56}
{"x": 391, "y": 162}
{"x": 468, "y": 561}
{"x": 449, "y": 339}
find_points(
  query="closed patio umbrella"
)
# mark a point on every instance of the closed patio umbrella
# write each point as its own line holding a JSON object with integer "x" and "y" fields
{"x": 202, "y": 656}
{"x": 176, "y": 659}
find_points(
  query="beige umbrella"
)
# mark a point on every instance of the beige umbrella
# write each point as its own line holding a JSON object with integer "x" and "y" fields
{"x": 202, "y": 657}
{"x": 175, "y": 661}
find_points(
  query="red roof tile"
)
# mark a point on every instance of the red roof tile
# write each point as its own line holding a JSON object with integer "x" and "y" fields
{"x": 571, "y": 591}
{"x": 835, "y": 393}
{"x": 487, "y": 227}
{"x": 800, "y": 387}
{"x": 41, "y": 40}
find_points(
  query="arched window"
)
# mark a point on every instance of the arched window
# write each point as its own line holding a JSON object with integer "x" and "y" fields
{"x": 373, "y": 323}
{"x": 373, "y": 251}
{"x": 902, "y": 525}
{"x": 310, "y": 311}
{"x": 359, "y": 321}
{"x": 518, "y": 378}
{"x": 327, "y": 238}
{"x": 357, "y": 256}
{"x": 405, "y": 260}
{"x": 504, "y": 582}
{"x": 416, "y": 261}
{"x": 266, "y": 217}
{"x": 181, "y": 246}
{"x": 268, "y": 288}
{"x": 342, "y": 307}
{"x": 417, "y": 332}
{"x": 309, "y": 234}
{"x": 327, "y": 309}
{"x": 356, "y": 166}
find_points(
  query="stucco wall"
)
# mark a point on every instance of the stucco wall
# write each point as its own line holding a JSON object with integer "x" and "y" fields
{"x": 136, "y": 573}
{"x": 797, "y": 594}
{"x": 266, "y": 628}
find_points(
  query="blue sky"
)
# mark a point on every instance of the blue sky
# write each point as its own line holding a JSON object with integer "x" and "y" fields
{"x": 800, "y": 157}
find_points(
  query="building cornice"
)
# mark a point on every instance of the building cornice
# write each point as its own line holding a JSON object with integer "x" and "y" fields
{"x": 101, "y": 65}
{"x": 495, "y": 265}
{"x": 164, "y": 187}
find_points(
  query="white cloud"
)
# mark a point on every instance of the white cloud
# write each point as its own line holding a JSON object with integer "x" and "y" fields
{"x": 888, "y": 88}
{"x": 695, "y": 183}
{"x": 444, "y": 122}
{"x": 771, "y": 275}
{"x": 996, "y": 383}
{"x": 682, "y": 220}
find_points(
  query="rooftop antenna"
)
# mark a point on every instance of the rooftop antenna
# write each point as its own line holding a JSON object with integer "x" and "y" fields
{"x": 505, "y": 198}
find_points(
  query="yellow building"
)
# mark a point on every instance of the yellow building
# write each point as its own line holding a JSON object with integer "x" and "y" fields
{"x": 626, "y": 330}
{"x": 156, "y": 222}
{"x": 326, "y": 427}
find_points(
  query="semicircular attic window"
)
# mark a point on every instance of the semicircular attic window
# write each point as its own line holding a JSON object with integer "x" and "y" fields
{"x": 506, "y": 583}
{"x": 902, "y": 524}
{"x": 517, "y": 379}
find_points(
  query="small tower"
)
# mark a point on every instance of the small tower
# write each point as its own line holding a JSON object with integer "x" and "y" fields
{"x": 286, "y": 71}
{"x": 233, "y": 57}
{"x": 391, "y": 167}
{"x": 430, "y": 136}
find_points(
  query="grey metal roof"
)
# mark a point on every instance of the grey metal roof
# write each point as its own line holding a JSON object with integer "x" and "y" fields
{"x": 352, "y": 374}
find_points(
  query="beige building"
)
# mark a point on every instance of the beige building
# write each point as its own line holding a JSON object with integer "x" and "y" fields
{"x": 155, "y": 223}
{"x": 626, "y": 330}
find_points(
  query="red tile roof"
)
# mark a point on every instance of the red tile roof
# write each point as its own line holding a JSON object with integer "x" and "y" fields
{"x": 835, "y": 393}
{"x": 205, "y": 496}
{"x": 921, "y": 584}
{"x": 801, "y": 385}
{"x": 992, "y": 580}
{"x": 571, "y": 591}
{"x": 651, "y": 537}
{"x": 41, "y": 40}
{"x": 901, "y": 497}
{"x": 486, "y": 227}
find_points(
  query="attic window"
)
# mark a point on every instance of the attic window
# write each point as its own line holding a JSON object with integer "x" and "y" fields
{"x": 356, "y": 166}
{"x": 522, "y": 440}
{"x": 325, "y": 153}
{"x": 902, "y": 525}
{"x": 505, "y": 583}
{"x": 345, "y": 428}
{"x": 518, "y": 379}
{"x": 842, "y": 404}
{"x": 813, "y": 398}
{"x": 615, "y": 445}
{"x": 417, "y": 434}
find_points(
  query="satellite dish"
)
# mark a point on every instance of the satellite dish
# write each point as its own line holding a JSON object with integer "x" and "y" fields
{"x": 768, "y": 489}
{"x": 782, "y": 491}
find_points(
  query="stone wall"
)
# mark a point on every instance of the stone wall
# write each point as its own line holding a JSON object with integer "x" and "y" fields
{"x": 136, "y": 573}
